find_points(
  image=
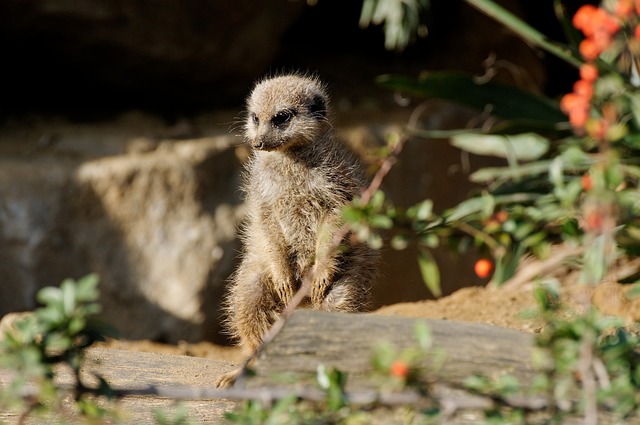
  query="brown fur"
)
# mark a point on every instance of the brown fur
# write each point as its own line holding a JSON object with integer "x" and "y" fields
{"x": 298, "y": 179}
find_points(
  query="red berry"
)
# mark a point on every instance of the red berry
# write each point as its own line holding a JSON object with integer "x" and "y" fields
{"x": 584, "y": 16}
{"x": 578, "y": 117}
{"x": 589, "y": 49}
{"x": 399, "y": 368}
{"x": 584, "y": 89}
{"x": 586, "y": 182}
{"x": 593, "y": 221}
{"x": 501, "y": 216}
{"x": 589, "y": 72}
{"x": 483, "y": 267}
{"x": 623, "y": 9}
{"x": 571, "y": 101}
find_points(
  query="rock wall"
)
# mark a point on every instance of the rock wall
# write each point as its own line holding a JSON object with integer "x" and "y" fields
{"x": 159, "y": 227}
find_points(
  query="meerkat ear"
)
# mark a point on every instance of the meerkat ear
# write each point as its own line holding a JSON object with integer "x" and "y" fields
{"x": 318, "y": 106}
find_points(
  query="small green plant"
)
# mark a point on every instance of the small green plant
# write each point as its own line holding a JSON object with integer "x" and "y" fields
{"x": 179, "y": 416}
{"x": 55, "y": 334}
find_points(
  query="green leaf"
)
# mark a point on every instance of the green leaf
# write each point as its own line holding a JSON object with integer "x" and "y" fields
{"x": 595, "y": 261}
{"x": 399, "y": 242}
{"x": 521, "y": 147}
{"x": 485, "y": 175}
{"x": 422, "y": 211}
{"x": 381, "y": 221}
{"x": 423, "y": 335}
{"x": 377, "y": 200}
{"x": 68, "y": 288}
{"x": 465, "y": 208}
{"x": 477, "y": 383}
{"x": 49, "y": 295}
{"x": 505, "y": 101}
{"x": 352, "y": 214}
{"x": 87, "y": 288}
{"x": 429, "y": 271}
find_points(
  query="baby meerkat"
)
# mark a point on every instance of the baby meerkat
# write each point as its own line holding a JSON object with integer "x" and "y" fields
{"x": 297, "y": 182}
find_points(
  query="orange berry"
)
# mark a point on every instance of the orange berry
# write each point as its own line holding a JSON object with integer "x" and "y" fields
{"x": 623, "y": 9}
{"x": 571, "y": 101}
{"x": 593, "y": 221}
{"x": 578, "y": 117}
{"x": 584, "y": 89}
{"x": 584, "y": 16}
{"x": 589, "y": 72}
{"x": 501, "y": 216}
{"x": 589, "y": 49}
{"x": 636, "y": 32}
{"x": 483, "y": 267}
{"x": 586, "y": 182}
{"x": 400, "y": 369}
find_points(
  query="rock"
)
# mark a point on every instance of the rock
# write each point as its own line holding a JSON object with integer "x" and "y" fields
{"x": 159, "y": 227}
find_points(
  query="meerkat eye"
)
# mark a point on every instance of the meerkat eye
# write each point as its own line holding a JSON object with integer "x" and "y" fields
{"x": 255, "y": 119}
{"x": 282, "y": 117}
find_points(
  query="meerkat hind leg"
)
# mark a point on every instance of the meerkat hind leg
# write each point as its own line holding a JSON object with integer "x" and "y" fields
{"x": 346, "y": 294}
{"x": 227, "y": 379}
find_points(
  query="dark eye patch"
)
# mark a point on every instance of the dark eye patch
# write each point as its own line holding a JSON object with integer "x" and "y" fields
{"x": 255, "y": 119}
{"x": 318, "y": 107}
{"x": 282, "y": 118}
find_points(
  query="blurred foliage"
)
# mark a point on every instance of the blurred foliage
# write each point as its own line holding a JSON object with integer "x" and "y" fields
{"x": 565, "y": 181}
{"x": 401, "y": 19}
{"x": 55, "y": 334}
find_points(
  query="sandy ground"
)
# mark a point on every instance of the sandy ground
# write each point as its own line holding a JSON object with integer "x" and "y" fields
{"x": 500, "y": 307}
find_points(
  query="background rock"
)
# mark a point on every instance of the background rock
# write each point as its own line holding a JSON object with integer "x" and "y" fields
{"x": 159, "y": 227}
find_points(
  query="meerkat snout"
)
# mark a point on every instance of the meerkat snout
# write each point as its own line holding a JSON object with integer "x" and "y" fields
{"x": 286, "y": 112}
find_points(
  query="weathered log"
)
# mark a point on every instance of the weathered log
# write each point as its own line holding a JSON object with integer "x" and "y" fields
{"x": 347, "y": 341}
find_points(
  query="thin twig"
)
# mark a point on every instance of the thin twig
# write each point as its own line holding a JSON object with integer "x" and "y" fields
{"x": 451, "y": 400}
{"x": 529, "y": 273}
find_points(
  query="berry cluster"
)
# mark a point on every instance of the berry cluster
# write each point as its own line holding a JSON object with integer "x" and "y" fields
{"x": 600, "y": 28}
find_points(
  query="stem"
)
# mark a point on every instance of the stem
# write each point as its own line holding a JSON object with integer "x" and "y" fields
{"x": 524, "y": 30}
{"x": 486, "y": 239}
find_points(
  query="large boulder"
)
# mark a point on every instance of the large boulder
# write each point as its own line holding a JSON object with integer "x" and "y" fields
{"x": 157, "y": 224}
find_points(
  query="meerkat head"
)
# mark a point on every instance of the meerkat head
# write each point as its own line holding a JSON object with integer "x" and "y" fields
{"x": 286, "y": 112}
